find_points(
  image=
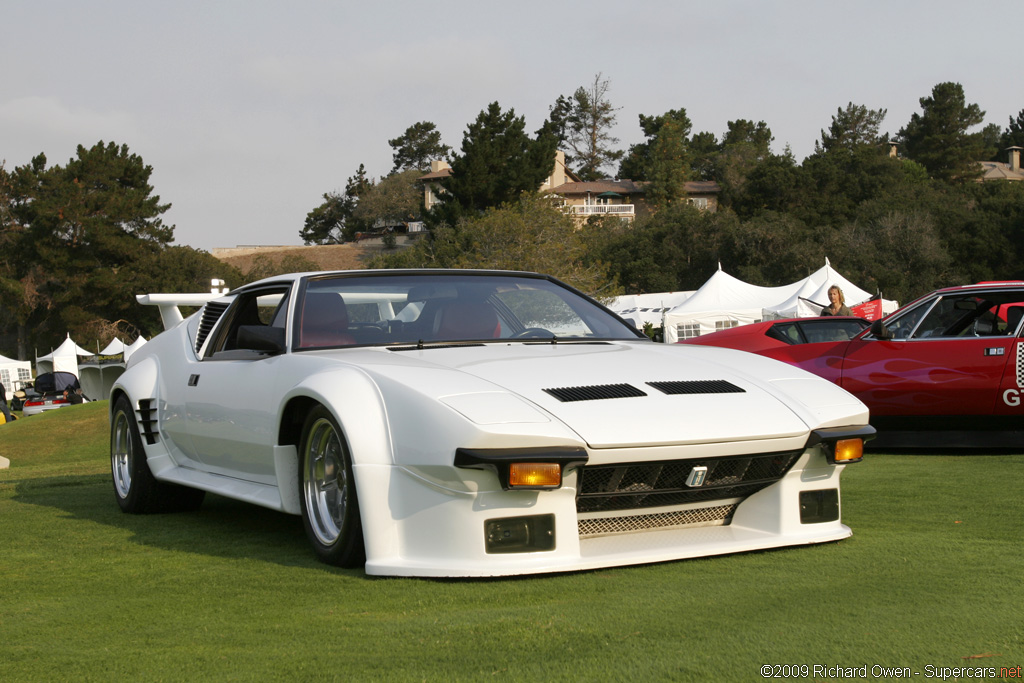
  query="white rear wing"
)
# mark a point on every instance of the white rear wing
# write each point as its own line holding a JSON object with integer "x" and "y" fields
{"x": 170, "y": 314}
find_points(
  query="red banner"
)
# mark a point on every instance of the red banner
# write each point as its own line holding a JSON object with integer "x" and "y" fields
{"x": 869, "y": 310}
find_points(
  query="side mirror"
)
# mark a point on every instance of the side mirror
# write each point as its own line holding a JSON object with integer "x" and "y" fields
{"x": 261, "y": 338}
{"x": 880, "y": 331}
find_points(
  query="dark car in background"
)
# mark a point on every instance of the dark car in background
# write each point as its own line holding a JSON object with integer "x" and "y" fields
{"x": 47, "y": 393}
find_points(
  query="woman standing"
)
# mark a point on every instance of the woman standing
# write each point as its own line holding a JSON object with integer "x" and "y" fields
{"x": 838, "y": 302}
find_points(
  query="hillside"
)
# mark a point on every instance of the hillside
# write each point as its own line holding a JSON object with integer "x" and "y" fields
{"x": 327, "y": 257}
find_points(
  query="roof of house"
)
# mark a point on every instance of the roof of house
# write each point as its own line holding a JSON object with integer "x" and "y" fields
{"x": 437, "y": 175}
{"x": 629, "y": 187}
{"x": 997, "y": 170}
{"x": 595, "y": 187}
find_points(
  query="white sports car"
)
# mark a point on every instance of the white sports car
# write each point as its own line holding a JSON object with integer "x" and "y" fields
{"x": 476, "y": 423}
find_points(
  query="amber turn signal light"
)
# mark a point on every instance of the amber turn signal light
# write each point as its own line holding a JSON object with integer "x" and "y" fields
{"x": 535, "y": 474}
{"x": 849, "y": 450}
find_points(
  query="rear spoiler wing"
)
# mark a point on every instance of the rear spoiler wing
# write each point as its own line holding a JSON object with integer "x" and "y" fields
{"x": 170, "y": 314}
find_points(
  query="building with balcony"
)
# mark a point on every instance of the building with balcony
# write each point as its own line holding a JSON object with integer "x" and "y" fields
{"x": 621, "y": 198}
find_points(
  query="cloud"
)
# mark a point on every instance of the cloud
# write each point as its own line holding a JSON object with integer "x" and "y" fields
{"x": 64, "y": 127}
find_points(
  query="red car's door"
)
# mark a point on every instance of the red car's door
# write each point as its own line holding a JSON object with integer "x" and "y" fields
{"x": 956, "y": 376}
{"x": 947, "y": 356}
{"x": 1010, "y": 400}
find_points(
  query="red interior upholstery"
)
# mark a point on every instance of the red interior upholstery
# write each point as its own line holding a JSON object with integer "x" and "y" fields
{"x": 324, "y": 321}
{"x": 468, "y": 320}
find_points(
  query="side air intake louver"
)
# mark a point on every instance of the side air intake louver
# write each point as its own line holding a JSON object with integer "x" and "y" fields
{"x": 595, "y": 393}
{"x": 147, "y": 420}
{"x": 212, "y": 312}
{"x": 699, "y": 386}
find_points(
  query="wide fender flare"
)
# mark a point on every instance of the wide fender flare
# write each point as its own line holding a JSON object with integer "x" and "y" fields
{"x": 142, "y": 381}
{"x": 356, "y": 403}
{"x": 355, "y": 400}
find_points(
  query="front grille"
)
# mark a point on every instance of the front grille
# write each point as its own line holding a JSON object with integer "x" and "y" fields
{"x": 637, "y": 486}
{"x": 595, "y": 393}
{"x": 717, "y": 515}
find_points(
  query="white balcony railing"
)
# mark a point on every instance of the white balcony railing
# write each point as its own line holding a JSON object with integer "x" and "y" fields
{"x": 597, "y": 209}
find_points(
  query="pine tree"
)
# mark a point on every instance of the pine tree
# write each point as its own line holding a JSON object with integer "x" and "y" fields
{"x": 937, "y": 138}
{"x": 498, "y": 163}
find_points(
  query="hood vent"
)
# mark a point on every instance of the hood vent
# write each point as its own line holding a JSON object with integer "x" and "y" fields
{"x": 595, "y": 393}
{"x": 700, "y": 386}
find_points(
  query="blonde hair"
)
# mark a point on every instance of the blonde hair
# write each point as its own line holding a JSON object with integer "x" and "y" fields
{"x": 842, "y": 297}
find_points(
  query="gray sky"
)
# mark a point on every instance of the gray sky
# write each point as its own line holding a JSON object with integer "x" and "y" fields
{"x": 250, "y": 111}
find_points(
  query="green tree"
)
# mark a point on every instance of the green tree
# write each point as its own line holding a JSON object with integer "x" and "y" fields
{"x": 851, "y": 128}
{"x": 1013, "y": 136}
{"x": 938, "y": 137}
{"x": 589, "y": 130}
{"x": 636, "y": 164}
{"x": 704, "y": 150}
{"x": 757, "y": 136}
{"x": 558, "y": 116}
{"x": 417, "y": 147}
{"x": 528, "y": 234}
{"x": 773, "y": 185}
{"x": 668, "y": 166}
{"x": 393, "y": 200}
{"x": 677, "y": 248}
{"x": 744, "y": 145}
{"x": 82, "y": 232}
{"x": 498, "y": 162}
{"x": 333, "y": 221}
{"x": 771, "y": 249}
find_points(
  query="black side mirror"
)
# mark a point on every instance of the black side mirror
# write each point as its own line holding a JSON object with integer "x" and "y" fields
{"x": 261, "y": 338}
{"x": 880, "y": 331}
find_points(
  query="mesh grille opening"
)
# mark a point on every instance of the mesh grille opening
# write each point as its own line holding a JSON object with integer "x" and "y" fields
{"x": 719, "y": 515}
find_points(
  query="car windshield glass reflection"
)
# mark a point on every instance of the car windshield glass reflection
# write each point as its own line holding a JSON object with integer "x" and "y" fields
{"x": 414, "y": 308}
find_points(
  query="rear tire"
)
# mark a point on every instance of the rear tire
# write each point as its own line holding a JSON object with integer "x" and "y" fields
{"x": 327, "y": 490}
{"x": 135, "y": 488}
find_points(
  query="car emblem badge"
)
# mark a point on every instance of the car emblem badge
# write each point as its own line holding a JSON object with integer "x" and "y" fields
{"x": 697, "y": 476}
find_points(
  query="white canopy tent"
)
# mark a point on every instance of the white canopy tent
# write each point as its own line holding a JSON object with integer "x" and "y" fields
{"x": 723, "y": 301}
{"x": 813, "y": 295}
{"x": 647, "y": 308}
{"x": 62, "y": 359}
{"x": 99, "y": 371}
{"x": 133, "y": 347}
{"x": 14, "y": 374}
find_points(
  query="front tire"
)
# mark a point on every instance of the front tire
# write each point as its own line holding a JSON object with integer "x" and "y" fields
{"x": 327, "y": 489}
{"x": 136, "y": 489}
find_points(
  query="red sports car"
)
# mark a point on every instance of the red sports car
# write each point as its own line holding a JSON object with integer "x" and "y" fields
{"x": 944, "y": 370}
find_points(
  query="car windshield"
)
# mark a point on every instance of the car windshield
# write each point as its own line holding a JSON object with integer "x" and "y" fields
{"x": 410, "y": 308}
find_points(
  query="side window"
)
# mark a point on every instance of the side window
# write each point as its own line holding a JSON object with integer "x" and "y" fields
{"x": 831, "y": 330}
{"x": 786, "y": 332}
{"x": 262, "y": 308}
{"x": 903, "y": 326}
{"x": 959, "y": 316}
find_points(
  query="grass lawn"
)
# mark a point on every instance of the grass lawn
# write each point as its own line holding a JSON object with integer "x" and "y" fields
{"x": 932, "y": 577}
